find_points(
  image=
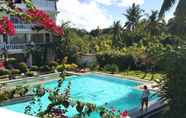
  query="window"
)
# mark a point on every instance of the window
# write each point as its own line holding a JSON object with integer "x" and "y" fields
{"x": 17, "y": 1}
{"x": 16, "y": 20}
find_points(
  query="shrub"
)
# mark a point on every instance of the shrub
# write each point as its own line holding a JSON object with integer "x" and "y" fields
{"x": 111, "y": 68}
{"x": 30, "y": 74}
{"x": 45, "y": 68}
{"x": 93, "y": 66}
{"x": 61, "y": 68}
{"x": 3, "y": 96}
{"x": 4, "y": 72}
{"x": 21, "y": 91}
{"x": 23, "y": 67}
{"x": 53, "y": 64}
{"x": 34, "y": 68}
{"x": 10, "y": 93}
{"x": 123, "y": 60}
{"x": 70, "y": 66}
{"x": 15, "y": 71}
{"x": 12, "y": 61}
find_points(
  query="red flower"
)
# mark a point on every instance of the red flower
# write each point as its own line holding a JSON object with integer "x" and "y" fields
{"x": 6, "y": 26}
{"x": 113, "y": 110}
{"x": 123, "y": 114}
{"x": 45, "y": 21}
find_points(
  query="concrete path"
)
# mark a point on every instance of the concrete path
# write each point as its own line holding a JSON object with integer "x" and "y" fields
{"x": 12, "y": 114}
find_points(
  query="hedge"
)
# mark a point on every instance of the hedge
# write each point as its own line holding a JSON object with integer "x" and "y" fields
{"x": 122, "y": 60}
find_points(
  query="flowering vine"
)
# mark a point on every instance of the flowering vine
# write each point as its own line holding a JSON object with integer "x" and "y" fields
{"x": 6, "y": 26}
{"x": 42, "y": 19}
{"x": 31, "y": 15}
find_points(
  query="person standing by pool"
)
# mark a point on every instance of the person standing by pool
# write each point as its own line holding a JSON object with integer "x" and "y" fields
{"x": 145, "y": 98}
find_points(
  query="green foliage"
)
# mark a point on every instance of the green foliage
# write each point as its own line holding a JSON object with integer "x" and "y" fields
{"x": 173, "y": 87}
{"x": 15, "y": 71}
{"x": 23, "y": 67}
{"x": 111, "y": 68}
{"x": 154, "y": 24}
{"x": 53, "y": 64}
{"x": 34, "y": 68}
{"x": 12, "y": 61}
{"x": 117, "y": 32}
{"x": 4, "y": 72}
{"x": 9, "y": 94}
{"x": 133, "y": 15}
{"x": 123, "y": 60}
{"x": 69, "y": 67}
{"x": 61, "y": 68}
{"x": 102, "y": 43}
{"x": 45, "y": 68}
{"x": 94, "y": 66}
{"x": 30, "y": 74}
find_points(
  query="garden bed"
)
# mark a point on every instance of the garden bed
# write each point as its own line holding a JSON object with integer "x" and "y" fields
{"x": 17, "y": 100}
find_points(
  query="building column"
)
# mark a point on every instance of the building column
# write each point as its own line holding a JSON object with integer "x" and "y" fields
{"x": 44, "y": 38}
{"x": 51, "y": 53}
{"x": 29, "y": 58}
{"x": 8, "y": 39}
{"x": 1, "y": 39}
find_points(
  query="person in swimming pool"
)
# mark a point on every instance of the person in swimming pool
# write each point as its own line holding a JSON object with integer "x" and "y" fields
{"x": 145, "y": 98}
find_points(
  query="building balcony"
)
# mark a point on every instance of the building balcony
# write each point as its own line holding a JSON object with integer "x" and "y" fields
{"x": 18, "y": 48}
{"x": 46, "y": 5}
{"x": 23, "y": 27}
{"x": 12, "y": 46}
{"x": 26, "y": 28}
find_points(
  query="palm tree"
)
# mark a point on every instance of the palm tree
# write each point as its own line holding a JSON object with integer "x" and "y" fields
{"x": 180, "y": 9}
{"x": 117, "y": 31}
{"x": 133, "y": 14}
{"x": 179, "y": 20}
{"x": 154, "y": 25}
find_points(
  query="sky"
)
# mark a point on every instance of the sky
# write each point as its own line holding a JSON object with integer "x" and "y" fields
{"x": 89, "y": 14}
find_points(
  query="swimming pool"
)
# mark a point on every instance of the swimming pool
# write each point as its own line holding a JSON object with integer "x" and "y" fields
{"x": 98, "y": 89}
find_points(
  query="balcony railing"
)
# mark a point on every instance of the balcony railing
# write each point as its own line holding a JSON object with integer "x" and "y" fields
{"x": 12, "y": 46}
{"x": 45, "y": 5}
{"x": 20, "y": 46}
{"x": 23, "y": 26}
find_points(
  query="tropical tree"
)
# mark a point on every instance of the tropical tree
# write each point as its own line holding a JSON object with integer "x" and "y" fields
{"x": 167, "y": 4}
{"x": 178, "y": 25}
{"x": 173, "y": 87}
{"x": 133, "y": 15}
{"x": 117, "y": 31}
{"x": 154, "y": 25}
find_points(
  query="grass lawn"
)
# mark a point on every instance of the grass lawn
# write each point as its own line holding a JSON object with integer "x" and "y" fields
{"x": 141, "y": 75}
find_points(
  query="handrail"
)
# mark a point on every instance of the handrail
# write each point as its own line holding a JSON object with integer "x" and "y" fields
{"x": 18, "y": 45}
{"x": 12, "y": 46}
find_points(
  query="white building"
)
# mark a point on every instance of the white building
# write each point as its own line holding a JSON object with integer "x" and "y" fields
{"x": 15, "y": 46}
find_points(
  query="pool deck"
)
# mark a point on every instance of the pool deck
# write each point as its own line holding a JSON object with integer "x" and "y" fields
{"x": 11, "y": 114}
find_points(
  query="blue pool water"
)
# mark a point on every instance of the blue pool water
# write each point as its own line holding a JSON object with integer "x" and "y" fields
{"x": 97, "y": 89}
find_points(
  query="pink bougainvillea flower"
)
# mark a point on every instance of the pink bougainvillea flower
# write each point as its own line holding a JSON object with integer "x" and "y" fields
{"x": 43, "y": 19}
{"x": 124, "y": 114}
{"x": 113, "y": 110}
{"x": 6, "y": 26}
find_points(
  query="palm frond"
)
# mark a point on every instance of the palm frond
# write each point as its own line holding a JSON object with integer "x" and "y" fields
{"x": 167, "y": 4}
{"x": 181, "y": 9}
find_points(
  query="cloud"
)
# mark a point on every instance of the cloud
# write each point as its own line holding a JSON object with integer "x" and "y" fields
{"x": 126, "y": 3}
{"x": 122, "y": 3}
{"x": 83, "y": 15}
{"x": 90, "y": 13}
